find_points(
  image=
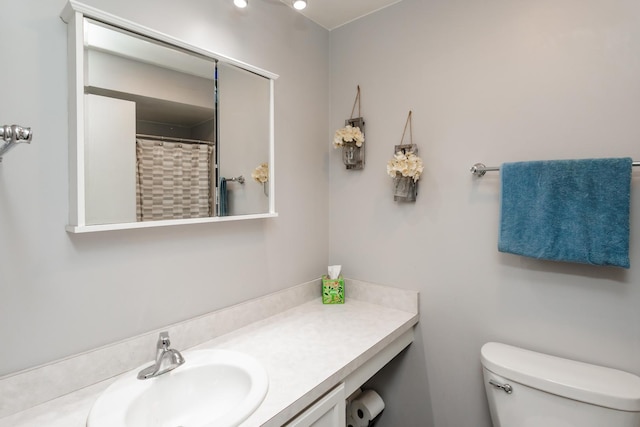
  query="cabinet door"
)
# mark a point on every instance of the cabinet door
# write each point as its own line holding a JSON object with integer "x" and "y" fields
{"x": 110, "y": 160}
{"x": 330, "y": 411}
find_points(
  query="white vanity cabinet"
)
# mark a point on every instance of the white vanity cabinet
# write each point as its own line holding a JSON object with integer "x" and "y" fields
{"x": 329, "y": 411}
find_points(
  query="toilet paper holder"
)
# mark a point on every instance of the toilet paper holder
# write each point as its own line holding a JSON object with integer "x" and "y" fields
{"x": 364, "y": 408}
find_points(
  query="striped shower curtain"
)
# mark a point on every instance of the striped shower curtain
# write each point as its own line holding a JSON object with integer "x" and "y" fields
{"x": 173, "y": 180}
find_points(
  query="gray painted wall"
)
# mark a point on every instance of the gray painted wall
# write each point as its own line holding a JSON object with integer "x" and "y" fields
{"x": 492, "y": 81}
{"x": 62, "y": 293}
{"x": 489, "y": 81}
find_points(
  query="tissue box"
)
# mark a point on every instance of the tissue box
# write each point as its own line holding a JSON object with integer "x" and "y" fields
{"x": 332, "y": 290}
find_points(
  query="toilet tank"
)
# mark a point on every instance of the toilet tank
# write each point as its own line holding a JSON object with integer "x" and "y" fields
{"x": 537, "y": 390}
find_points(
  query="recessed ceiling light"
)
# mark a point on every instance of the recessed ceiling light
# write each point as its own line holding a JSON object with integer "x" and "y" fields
{"x": 241, "y": 3}
{"x": 299, "y": 4}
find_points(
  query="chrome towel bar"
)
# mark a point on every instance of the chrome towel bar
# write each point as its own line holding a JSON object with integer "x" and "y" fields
{"x": 480, "y": 169}
{"x": 239, "y": 179}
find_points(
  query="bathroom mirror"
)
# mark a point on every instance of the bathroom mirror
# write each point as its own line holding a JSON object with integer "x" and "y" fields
{"x": 162, "y": 132}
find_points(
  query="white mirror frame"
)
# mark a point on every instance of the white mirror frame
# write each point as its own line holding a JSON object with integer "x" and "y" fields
{"x": 74, "y": 14}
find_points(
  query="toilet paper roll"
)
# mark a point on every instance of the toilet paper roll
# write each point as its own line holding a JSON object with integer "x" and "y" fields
{"x": 366, "y": 407}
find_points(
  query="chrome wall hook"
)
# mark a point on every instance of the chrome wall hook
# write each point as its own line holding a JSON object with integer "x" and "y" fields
{"x": 12, "y": 135}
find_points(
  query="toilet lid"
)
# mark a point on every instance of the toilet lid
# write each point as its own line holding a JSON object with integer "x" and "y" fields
{"x": 587, "y": 383}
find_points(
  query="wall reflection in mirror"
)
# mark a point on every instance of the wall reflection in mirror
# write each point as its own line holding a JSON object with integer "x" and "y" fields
{"x": 169, "y": 134}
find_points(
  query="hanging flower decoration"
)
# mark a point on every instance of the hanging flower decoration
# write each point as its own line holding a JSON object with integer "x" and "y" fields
{"x": 405, "y": 164}
{"x": 348, "y": 134}
{"x": 261, "y": 173}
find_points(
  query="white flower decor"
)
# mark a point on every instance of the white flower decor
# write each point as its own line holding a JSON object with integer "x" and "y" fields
{"x": 348, "y": 134}
{"x": 261, "y": 173}
{"x": 407, "y": 164}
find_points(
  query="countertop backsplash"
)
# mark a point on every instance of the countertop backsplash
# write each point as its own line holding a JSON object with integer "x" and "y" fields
{"x": 81, "y": 372}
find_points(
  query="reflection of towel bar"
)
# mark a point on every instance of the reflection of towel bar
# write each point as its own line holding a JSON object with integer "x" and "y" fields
{"x": 13, "y": 135}
{"x": 239, "y": 179}
{"x": 480, "y": 169}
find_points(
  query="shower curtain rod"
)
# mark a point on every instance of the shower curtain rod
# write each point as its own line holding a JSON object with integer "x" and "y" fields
{"x": 171, "y": 139}
{"x": 480, "y": 169}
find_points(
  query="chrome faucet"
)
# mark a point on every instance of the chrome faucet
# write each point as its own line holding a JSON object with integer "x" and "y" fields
{"x": 167, "y": 359}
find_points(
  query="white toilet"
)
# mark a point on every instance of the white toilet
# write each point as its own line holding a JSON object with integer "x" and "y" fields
{"x": 529, "y": 389}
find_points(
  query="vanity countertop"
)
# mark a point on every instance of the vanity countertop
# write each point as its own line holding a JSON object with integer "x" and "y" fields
{"x": 307, "y": 350}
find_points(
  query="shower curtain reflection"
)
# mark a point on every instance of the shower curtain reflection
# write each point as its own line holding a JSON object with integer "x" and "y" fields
{"x": 173, "y": 180}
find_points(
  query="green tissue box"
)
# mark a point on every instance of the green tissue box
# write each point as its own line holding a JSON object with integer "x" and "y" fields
{"x": 332, "y": 290}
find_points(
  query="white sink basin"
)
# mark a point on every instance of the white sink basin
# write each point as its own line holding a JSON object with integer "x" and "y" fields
{"x": 213, "y": 388}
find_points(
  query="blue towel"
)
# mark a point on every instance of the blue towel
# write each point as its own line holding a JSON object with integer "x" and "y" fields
{"x": 567, "y": 210}
{"x": 223, "y": 197}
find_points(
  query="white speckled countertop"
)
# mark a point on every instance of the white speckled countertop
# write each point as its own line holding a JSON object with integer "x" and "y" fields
{"x": 306, "y": 350}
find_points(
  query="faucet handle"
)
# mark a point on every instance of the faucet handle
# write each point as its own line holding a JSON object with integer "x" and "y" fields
{"x": 163, "y": 341}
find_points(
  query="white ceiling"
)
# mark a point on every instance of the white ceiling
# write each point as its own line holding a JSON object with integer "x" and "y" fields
{"x": 334, "y": 13}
